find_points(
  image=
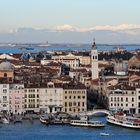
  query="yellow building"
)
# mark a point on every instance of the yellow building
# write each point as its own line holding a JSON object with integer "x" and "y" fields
{"x": 74, "y": 98}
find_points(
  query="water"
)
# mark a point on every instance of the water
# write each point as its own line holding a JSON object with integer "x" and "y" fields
{"x": 8, "y": 49}
{"x": 38, "y": 131}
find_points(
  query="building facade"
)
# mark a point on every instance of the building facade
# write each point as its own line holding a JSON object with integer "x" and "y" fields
{"x": 51, "y": 98}
{"x": 74, "y": 98}
{"x": 4, "y": 98}
{"x": 124, "y": 97}
{"x": 17, "y": 99}
{"x": 31, "y": 99}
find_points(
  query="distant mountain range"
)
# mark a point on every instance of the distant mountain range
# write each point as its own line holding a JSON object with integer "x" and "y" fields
{"x": 73, "y": 35}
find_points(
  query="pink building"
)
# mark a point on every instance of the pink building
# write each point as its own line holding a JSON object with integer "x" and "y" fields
{"x": 16, "y": 98}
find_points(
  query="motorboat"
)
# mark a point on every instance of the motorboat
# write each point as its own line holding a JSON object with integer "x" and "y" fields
{"x": 44, "y": 119}
{"x": 5, "y": 121}
{"x": 121, "y": 119}
{"x": 104, "y": 134}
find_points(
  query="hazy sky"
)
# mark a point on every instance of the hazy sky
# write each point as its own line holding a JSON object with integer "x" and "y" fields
{"x": 79, "y": 13}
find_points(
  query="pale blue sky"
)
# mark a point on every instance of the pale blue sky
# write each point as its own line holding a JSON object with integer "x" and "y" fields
{"x": 79, "y": 13}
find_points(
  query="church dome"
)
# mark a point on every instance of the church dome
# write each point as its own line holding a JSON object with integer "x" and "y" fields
{"x": 6, "y": 66}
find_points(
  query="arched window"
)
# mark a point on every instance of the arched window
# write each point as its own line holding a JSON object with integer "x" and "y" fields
{"x": 5, "y": 74}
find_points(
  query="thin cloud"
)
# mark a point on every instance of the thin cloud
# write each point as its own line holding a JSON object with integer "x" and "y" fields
{"x": 103, "y": 27}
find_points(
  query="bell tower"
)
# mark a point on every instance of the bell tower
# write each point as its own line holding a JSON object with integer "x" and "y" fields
{"x": 94, "y": 61}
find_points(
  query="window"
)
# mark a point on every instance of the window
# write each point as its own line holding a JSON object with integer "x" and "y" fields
{"x": 70, "y": 103}
{"x": 79, "y": 97}
{"x": 4, "y": 86}
{"x": 4, "y": 90}
{"x": 74, "y": 103}
{"x": 126, "y": 99}
{"x": 4, "y": 98}
{"x": 139, "y": 104}
{"x": 78, "y": 103}
{"x": 132, "y": 99}
{"x": 65, "y": 104}
{"x": 5, "y": 74}
{"x": 122, "y": 99}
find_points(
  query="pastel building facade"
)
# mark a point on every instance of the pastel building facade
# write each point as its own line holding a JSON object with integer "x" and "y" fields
{"x": 17, "y": 99}
{"x": 74, "y": 99}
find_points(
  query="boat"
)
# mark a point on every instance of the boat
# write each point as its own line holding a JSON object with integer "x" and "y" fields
{"x": 44, "y": 120}
{"x": 121, "y": 119}
{"x": 85, "y": 122}
{"x": 5, "y": 121}
{"x": 18, "y": 120}
{"x": 104, "y": 134}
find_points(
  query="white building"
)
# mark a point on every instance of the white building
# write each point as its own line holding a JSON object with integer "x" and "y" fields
{"x": 72, "y": 63}
{"x": 124, "y": 97}
{"x": 51, "y": 98}
{"x": 4, "y": 98}
{"x": 94, "y": 62}
{"x": 84, "y": 60}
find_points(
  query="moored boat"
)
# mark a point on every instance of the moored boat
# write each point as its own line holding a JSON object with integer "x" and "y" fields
{"x": 44, "y": 119}
{"x": 5, "y": 121}
{"x": 121, "y": 119}
{"x": 96, "y": 124}
{"x": 84, "y": 122}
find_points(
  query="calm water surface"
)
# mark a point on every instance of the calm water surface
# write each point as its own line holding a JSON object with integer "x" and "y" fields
{"x": 7, "y": 49}
{"x": 38, "y": 131}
